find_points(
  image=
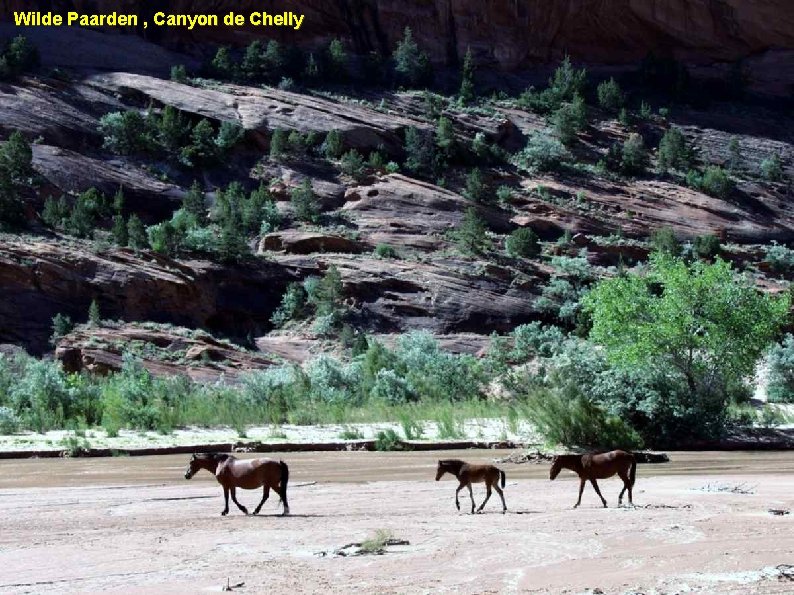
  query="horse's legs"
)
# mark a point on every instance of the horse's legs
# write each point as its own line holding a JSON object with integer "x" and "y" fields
{"x": 460, "y": 487}
{"x": 581, "y": 489}
{"x": 502, "y": 496}
{"x": 487, "y": 495}
{"x": 234, "y": 499}
{"x": 625, "y": 479}
{"x": 226, "y": 500}
{"x": 595, "y": 485}
{"x": 471, "y": 495}
{"x": 265, "y": 495}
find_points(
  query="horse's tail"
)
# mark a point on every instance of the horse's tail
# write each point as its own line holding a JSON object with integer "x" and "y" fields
{"x": 633, "y": 471}
{"x": 284, "y": 481}
{"x": 502, "y": 474}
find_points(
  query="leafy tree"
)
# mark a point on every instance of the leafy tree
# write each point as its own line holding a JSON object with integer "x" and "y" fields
{"x": 466, "y": 94}
{"x": 55, "y": 212}
{"x": 734, "y": 155}
{"x": 229, "y": 134}
{"x": 16, "y": 158}
{"x": 700, "y": 326}
{"x": 304, "y": 202}
{"x": 781, "y": 371}
{"x": 674, "y": 151}
{"x": 523, "y": 243}
{"x": 610, "y": 96}
{"x": 19, "y": 56}
{"x": 570, "y": 119}
{"x": 445, "y": 139}
{"x": 173, "y": 130}
{"x": 253, "y": 65}
{"x": 772, "y": 168}
{"x": 136, "y": 232}
{"x": 124, "y": 132}
{"x": 410, "y": 63}
{"x": 471, "y": 235}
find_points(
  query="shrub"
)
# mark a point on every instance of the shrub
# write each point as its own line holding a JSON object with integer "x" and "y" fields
{"x": 716, "y": 182}
{"x": 542, "y": 153}
{"x": 179, "y": 74}
{"x": 19, "y": 56}
{"x": 136, "y": 233}
{"x": 387, "y": 440}
{"x": 124, "y": 132}
{"x": 610, "y": 97}
{"x": 536, "y": 340}
{"x": 466, "y": 94}
{"x": 337, "y": 61}
{"x": 523, "y": 243}
{"x": 475, "y": 187}
{"x": 16, "y": 158}
{"x": 8, "y": 420}
{"x": 61, "y": 326}
{"x": 353, "y": 164}
{"x": 392, "y": 388}
{"x": 332, "y": 147}
{"x": 385, "y": 251}
{"x": 780, "y": 258}
{"x": 772, "y": 168}
{"x": 202, "y": 149}
{"x": 229, "y": 134}
{"x": 570, "y": 119}
{"x": 278, "y": 144}
{"x": 420, "y": 151}
{"x": 222, "y": 65}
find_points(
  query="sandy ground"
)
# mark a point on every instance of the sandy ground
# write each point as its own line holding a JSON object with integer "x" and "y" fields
{"x": 134, "y": 525}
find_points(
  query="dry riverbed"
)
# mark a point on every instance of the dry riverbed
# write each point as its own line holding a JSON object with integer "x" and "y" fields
{"x": 134, "y": 525}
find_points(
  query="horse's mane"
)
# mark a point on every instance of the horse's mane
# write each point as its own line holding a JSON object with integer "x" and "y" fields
{"x": 453, "y": 463}
{"x": 214, "y": 456}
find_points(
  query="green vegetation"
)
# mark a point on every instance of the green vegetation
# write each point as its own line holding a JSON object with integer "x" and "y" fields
{"x": 714, "y": 181}
{"x": 466, "y": 94}
{"x": 542, "y": 153}
{"x": 610, "y": 96}
{"x": 772, "y": 168}
{"x": 674, "y": 151}
{"x": 18, "y": 56}
{"x": 16, "y": 173}
{"x": 471, "y": 235}
{"x": 781, "y": 371}
{"x": 564, "y": 85}
{"x": 411, "y": 65}
{"x": 523, "y": 243}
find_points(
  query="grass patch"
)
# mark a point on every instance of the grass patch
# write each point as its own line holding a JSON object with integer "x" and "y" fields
{"x": 377, "y": 543}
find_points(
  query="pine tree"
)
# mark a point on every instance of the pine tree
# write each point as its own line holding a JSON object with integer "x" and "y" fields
{"x": 312, "y": 70}
{"x": 304, "y": 202}
{"x": 467, "y": 94}
{"x": 94, "y": 316}
{"x": 445, "y": 138}
{"x": 475, "y": 187}
{"x": 471, "y": 234}
{"x": 253, "y": 65}
{"x": 222, "y": 64}
{"x": 61, "y": 326}
{"x": 202, "y": 149}
{"x": 610, "y": 97}
{"x": 410, "y": 63}
{"x": 119, "y": 231}
{"x": 193, "y": 203}
{"x": 136, "y": 233}
{"x": 172, "y": 130}
{"x": 16, "y": 157}
{"x": 333, "y": 147}
{"x": 337, "y": 61}
{"x": 278, "y": 144}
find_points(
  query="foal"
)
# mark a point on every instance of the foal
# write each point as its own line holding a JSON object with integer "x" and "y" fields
{"x": 248, "y": 474}
{"x": 468, "y": 474}
{"x": 600, "y": 466}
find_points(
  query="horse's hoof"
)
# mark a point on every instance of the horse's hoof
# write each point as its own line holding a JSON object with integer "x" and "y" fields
{"x": 224, "y": 513}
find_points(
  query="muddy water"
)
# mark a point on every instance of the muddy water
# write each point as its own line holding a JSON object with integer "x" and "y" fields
{"x": 346, "y": 467}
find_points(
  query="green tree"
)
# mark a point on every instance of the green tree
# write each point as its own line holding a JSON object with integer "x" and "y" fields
{"x": 471, "y": 234}
{"x": 410, "y": 63}
{"x": 570, "y": 119}
{"x": 312, "y": 70}
{"x": 772, "y": 168}
{"x": 16, "y": 158}
{"x": 420, "y": 151}
{"x": 466, "y": 94}
{"x": 193, "y": 203}
{"x": 332, "y": 146}
{"x": 94, "y": 316}
{"x": 523, "y": 243}
{"x": 706, "y": 247}
{"x": 119, "y": 231}
{"x": 278, "y": 144}
{"x": 55, "y": 212}
{"x": 222, "y": 65}
{"x": 304, "y": 202}
{"x": 698, "y": 325}
{"x": 173, "y": 130}
{"x": 253, "y": 64}
{"x": 663, "y": 240}
{"x": 734, "y": 155}
{"x": 674, "y": 151}
{"x": 136, "y": 233}
{"x": 445, "y": 139}
{"x": 61, "y": 326}
{"x": 634, "y": 157}
{"x": 179, "y": 74}
{"x": 542, "y": 153}
{"x": 475, "y": 187}
{"x": 337, "y": 61}
{"x": 229, "y": 134}
{"x": 20, "y": 55}
{"x": 715, "y": 181}
{"x": 610, "y": 97}
{"x": 124, "y": 132}
{"x": 202, "y": 150}
{"x": 567, "y": 82}
{"x": 353, "y": 164}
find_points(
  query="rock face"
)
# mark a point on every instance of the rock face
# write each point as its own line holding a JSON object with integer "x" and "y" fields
{"x": 508, "y": 33}
{"x": 164, "y": 351}
{"x": 41, "y": 278}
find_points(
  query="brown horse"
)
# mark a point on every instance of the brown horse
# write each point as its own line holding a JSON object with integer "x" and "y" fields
{"x": 468, "y": 474}
{"x": 600, "y": 466}
{"x": 249, "y": 474}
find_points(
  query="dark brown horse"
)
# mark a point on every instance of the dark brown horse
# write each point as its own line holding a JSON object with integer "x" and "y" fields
{"x": 468, "y": 474}
{"x": 248, "y": 474}
{"x": 601, "y": 466}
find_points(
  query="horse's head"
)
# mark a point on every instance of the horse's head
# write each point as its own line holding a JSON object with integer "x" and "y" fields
{"x": 192, "y": 467}
{"x": 440, "y": 470}
{"x": 556, "y": 466}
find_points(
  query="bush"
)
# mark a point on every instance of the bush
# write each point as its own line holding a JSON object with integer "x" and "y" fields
{"x": 353, "y": 164}
{"x": 124, "y": 132}
{"x": 392, "y": 388}
{"x": 420, "y": 151}
{"x": 772, "y": 168}
{"x": 61, "y": 326}
{"x": 716, "y": 182}
{"x": 706, "y": 247}
{"x": 471, "y": 234}
{"x": 570, "y": 119}
{"x": 610, "y": 97}
{"x": 780, "y": 358}
{"x": 542, "y": 153}
{"x": 475, "y": 187}
{"x": 564, "y": 85}
{"x": 387, "y": 440}
{"x": 8, "y": 421}
{"x": 332, "y": 147}
{"x": 466, "y": 94}
{"x": 19, "y": 56}
{"x": 780, "y": 258}
{"x": 523, "y": 243}
{"x": 385, "y": 251}
{"x": 663, "y": 240}
{"x": 179, "y": 74}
